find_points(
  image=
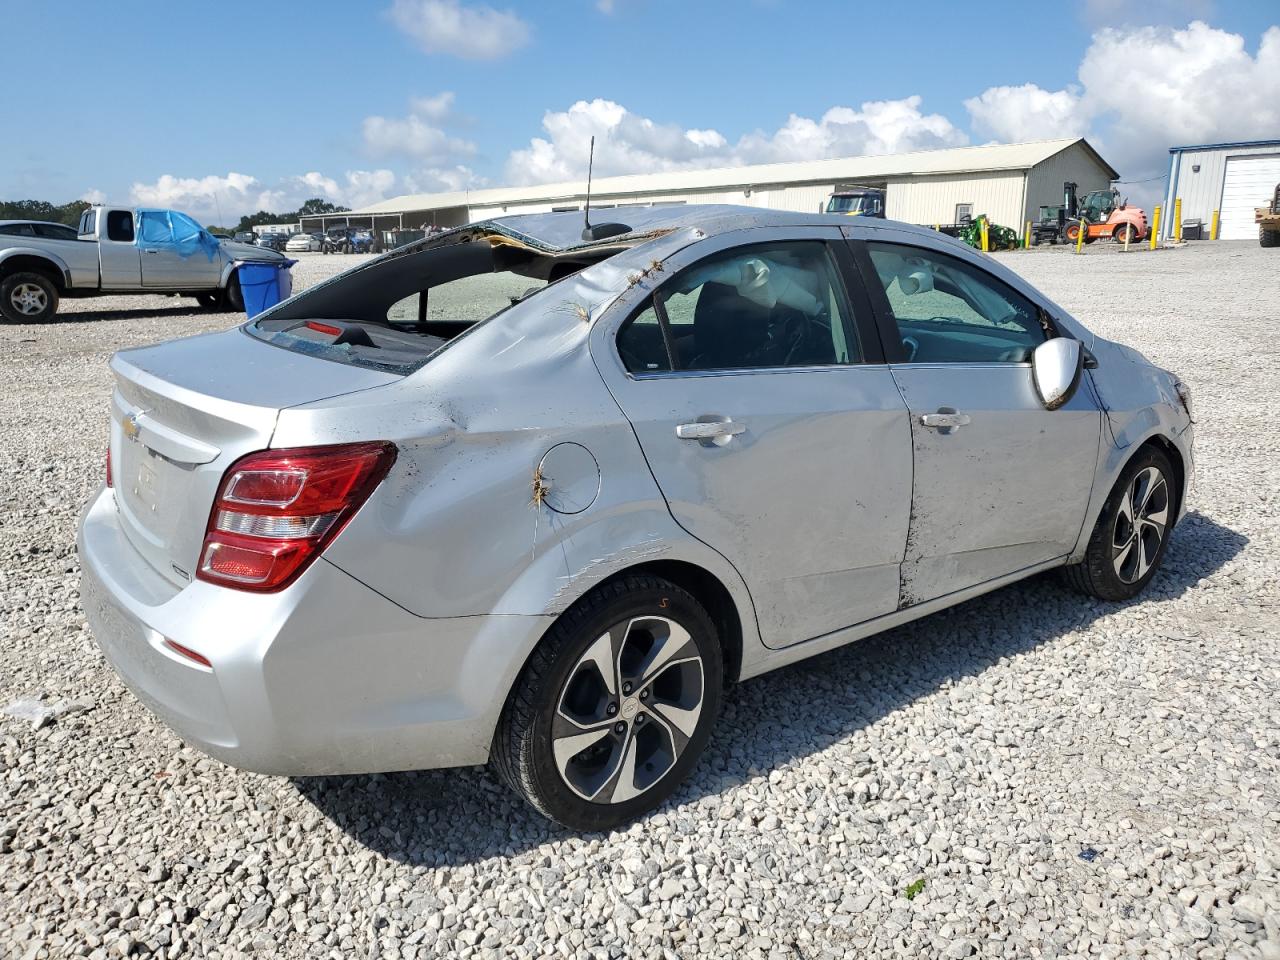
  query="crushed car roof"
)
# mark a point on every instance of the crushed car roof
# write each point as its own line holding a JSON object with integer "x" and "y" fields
{"x": 563, "y": 231}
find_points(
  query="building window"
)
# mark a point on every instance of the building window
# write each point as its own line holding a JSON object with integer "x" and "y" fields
{"x": 964, "y": 212}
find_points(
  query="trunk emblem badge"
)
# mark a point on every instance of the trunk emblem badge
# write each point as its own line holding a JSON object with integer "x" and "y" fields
{"x": 131, "y": 427}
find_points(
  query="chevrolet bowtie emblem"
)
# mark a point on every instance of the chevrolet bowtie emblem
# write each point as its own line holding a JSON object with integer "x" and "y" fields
{"x": 130, "y": 426}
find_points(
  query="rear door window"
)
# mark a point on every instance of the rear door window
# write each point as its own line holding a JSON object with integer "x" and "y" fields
{"x": 755, "y": 307}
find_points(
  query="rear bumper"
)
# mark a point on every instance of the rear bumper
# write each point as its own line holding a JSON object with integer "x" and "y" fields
{"x": 325, "y": 677}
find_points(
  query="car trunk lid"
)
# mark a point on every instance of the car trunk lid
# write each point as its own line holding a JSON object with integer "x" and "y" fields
{"x": 182, "y": 412}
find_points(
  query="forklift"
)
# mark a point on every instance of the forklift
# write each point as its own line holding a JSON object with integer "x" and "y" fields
{"x": 1104, "y": 216}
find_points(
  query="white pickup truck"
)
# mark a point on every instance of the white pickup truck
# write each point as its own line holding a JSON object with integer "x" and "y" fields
{"x": 122, "y": 250}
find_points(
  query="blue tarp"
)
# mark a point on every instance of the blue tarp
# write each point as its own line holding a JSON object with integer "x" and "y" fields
{"x": 175, "y": 231}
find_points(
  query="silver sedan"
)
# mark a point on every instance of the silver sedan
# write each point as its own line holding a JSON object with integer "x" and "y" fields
{"x": 532, "y": 494}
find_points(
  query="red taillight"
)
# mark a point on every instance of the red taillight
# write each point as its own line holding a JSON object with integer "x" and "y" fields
{"x": 187, "y": 652}
{"x": 277, "y": 510}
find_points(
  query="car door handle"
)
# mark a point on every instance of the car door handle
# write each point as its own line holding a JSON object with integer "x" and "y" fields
{"x": 710, "y": 432}
{"x": 943, "y": 421}
{"x": 150, "y": 250}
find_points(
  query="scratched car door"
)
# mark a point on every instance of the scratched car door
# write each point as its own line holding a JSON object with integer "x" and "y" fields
{"x": 774, "y": 431}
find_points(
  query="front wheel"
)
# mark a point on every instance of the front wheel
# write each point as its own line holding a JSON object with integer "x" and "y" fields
{"x": 209, "y": 299}
{"x": 614, "y": 706}
{"x": 1129, "y": 540}
{"x": 28, "y": 298}
{"x": 1268, "y": 238}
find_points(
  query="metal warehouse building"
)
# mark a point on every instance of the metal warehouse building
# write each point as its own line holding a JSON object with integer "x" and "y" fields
{"x": 1232, "y": 178}
{"x": 1007, "y": 182}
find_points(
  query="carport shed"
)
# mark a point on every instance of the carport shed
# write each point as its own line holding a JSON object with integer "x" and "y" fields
{"x": 1008, "y": 182}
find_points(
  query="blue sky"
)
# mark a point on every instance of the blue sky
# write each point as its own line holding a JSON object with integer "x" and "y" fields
{"x": 231, "y": 105}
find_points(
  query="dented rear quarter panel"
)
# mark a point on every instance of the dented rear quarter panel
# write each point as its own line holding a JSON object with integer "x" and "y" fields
{"x": 459, "y": 527}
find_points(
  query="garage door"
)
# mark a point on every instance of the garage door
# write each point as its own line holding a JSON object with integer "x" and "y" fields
{"x": 1249, "y": 183}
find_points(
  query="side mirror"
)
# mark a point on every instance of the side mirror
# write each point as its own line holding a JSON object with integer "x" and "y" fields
{"x": 1056, "y": 368}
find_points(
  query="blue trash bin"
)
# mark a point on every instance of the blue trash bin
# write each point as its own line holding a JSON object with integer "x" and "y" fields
{"x": 263, "y": 285}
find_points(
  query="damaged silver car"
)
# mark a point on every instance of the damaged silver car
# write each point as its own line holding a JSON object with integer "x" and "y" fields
{"x": 514, "y": 496}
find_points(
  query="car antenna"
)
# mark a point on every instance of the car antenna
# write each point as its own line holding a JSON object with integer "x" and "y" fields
{"x": 600, "y": 231}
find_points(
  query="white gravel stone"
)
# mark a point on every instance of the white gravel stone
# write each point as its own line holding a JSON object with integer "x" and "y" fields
{"x": 981, "y": 750}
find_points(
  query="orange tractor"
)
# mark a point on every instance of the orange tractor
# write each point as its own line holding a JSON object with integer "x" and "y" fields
{"x": 1104, "y": 215}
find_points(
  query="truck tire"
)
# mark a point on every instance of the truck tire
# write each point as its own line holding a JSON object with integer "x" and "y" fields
{"x": 28, "y": 297}
{"x": 234, "y": 299}
{"x": 210, "y": 299}
{"x": 1268, "y": 238}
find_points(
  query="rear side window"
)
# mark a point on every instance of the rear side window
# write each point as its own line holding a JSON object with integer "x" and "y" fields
{"x": 950, "y": 311}
{"x": 756, "y": 307}
{"x": 17, "y": 230}
{"x": 120, "y": 226}
{"x": 54, "y": 231}
{"x": 89, "y": 222}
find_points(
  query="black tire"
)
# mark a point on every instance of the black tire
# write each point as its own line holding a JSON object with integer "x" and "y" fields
{"x": 523, "y": 754}
{"x": 1268, "y": 238}
{"x": 1099, "y": 573}
{"x": 233, "y": 298}
{"x": 210, "y": 299}
{"x": 1124, "y": 230}
{"x": 28, "y": 297}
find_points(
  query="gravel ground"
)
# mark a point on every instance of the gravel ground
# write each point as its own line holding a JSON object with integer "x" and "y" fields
{"x": 1032, "y": 774}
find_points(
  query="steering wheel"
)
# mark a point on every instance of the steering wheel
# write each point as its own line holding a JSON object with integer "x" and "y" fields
{"x": 912, "y": 346}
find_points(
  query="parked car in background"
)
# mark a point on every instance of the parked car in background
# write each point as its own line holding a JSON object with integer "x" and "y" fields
{"x": 273, "y": 241}
{"x": 246, "y": 236}
{"x": 707, "y": 443}
{"x": 303, "y": 242}
{"x": 36, "y": 228}
{"x": 120, "y": 250}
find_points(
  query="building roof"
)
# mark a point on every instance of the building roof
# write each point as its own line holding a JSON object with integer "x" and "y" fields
{"x": 997, "y": 156}
{"x": 1225, "y": 146}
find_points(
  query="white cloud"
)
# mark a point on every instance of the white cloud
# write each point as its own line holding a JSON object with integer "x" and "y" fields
{"x": 93, "y": 196}
{"x": 629, "y": 143}
{"x": 1027, "y": 112}
{"x": 1143, "y": 90}
{"x": 215, "y": 199}
{"x": 472, "y": 32}
{"x": 418, "y": 135}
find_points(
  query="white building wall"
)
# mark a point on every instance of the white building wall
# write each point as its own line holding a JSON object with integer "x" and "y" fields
{"x": 931, "y": 200}
{"x": 1201, "y": 191}
{"x": 1073, "y": 165}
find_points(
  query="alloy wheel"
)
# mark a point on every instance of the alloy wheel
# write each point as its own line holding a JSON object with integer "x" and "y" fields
{"x": 628, "y": 710}
{"x": 29, "y": 299}
{"x": 1141, "y": 524}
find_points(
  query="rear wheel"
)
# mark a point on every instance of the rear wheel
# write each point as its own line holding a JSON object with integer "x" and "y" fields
{"x": 1073, "y": 232}
{"x": 1126, "y": 233}
{"x": 210, "y": 299}
{"x": 1268, "y": 238}
{"x": 234, "y": 298}
{"x": 614, "y": 706}
{"x": 1132, "y": 532}
{"x": 27, "y": 297}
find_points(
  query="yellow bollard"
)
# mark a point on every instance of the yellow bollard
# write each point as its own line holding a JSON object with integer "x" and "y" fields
{"x": 1177, "y": 219}
{"x": 936, "y": 227}
{"x": 1080, "y": 237}
{"x": 1155, "y": 228}
{"x": 1213, "y": 230}
{"x": 986, "y": 247}
{"x": 1026, "y": 237}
